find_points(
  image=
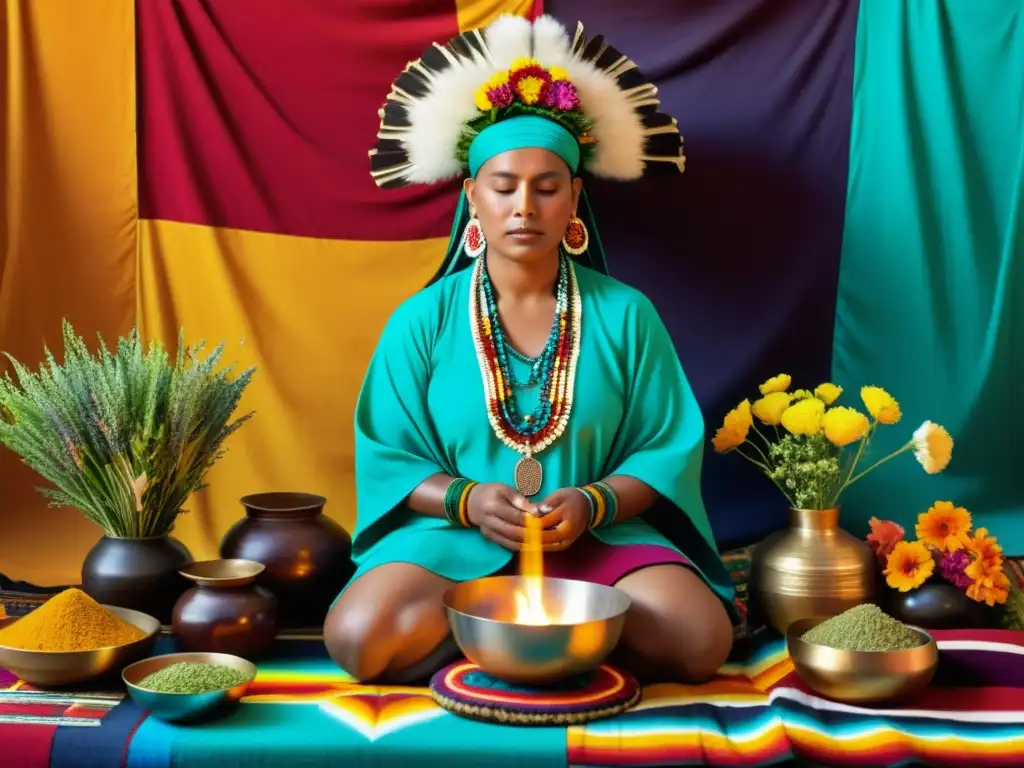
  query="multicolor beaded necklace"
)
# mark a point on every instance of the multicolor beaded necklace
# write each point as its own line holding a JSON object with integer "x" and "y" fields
{"x": 555, "y": 369}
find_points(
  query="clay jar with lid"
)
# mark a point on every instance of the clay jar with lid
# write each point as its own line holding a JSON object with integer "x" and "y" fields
{"x": 226, "y": 611}
{"x": 308, "y": 556}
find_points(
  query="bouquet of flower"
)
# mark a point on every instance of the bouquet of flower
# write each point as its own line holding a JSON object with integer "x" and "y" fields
{"x": 126, "y": 436}
{"x": 818, "y": 447}
{"x": 945, "y": 548}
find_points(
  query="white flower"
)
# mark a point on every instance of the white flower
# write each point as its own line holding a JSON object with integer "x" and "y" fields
{"x": 933, "y": 447}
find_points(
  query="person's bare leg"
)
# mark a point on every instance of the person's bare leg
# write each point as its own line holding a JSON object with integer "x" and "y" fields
{"x": 676, "y": 629}
{"x": 389, "y": 619}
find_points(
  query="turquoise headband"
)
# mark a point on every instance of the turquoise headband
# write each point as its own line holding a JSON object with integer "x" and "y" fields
{"x": 523, "y": 132}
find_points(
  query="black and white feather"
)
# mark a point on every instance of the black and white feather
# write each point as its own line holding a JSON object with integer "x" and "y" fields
{"x": 431, "y": 102}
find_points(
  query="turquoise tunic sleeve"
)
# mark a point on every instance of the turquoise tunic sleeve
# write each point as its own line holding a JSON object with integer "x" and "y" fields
{"x": 422, "y": 411}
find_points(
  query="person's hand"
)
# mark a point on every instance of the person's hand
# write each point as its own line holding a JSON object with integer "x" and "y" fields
{"x": 565, "y": 516}
{"x": 500, "y": 512}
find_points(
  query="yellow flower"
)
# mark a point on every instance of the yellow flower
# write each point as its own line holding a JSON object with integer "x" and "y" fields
{"x": 828, "y": 393}
{"x": 984, "y": 547}
{"x": 522, "y": 63}
{"x": 734, "y": 429}
{"x": 908, "y": 566}
{"x": 480, "y": 98}
{"x": 481, "y": 101}
{"x": 804, "y": 417}
{"x": 770, "y": 407}
{"x": 529, "y": 89}
{"x": 844, "y": 425}
{"x": 933, "y": 447}
{"x": 881, "y": 405}
{"x": 944, "y": 526}
{"x": 991, "y": 584}
{"x": 778, "y": 383}
{"x": 557, "y": 73}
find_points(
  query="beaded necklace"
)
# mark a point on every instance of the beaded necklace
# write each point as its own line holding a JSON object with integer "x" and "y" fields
{"x": 527, "y": 433}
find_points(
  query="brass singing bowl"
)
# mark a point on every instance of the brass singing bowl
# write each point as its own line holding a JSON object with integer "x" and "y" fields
{"x": 57, "y": 668}
{"x": 190, "y": 707}
{"x": 585, "y": 623}
{"x": 861, "y": 677}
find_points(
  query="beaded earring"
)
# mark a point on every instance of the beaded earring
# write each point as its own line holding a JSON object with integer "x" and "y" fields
{"x": 576, "y": 238}
{"x": 473, "y": 241}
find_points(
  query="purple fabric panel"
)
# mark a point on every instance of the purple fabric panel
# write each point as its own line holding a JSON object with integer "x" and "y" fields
{"x": 741, "y": 253}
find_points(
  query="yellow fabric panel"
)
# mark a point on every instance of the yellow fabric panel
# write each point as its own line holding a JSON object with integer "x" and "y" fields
{"x": 478, "y": 13}
{"x": 307, "y": 312}
{"x": 67, "y": 225}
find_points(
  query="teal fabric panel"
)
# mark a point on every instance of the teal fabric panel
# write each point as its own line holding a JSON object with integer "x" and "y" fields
{"x": 931, "y": 288}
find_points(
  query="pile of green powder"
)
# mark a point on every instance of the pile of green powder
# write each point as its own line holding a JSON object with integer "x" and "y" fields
{"x": 190, "y": 677}
{"x": 863, "y": 628}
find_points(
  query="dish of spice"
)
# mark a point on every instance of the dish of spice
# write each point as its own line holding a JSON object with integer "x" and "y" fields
{"x": 192, "y": 677}
{"x": 69, "y": 621}
{"x": 864, "y": 628}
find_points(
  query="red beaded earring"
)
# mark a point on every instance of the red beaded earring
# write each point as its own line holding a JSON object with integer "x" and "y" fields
{"x": 473, "y": 241}
{"x": 576, "y": 238}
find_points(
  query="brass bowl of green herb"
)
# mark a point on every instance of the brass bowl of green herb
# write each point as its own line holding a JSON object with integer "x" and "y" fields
{"x": 181, "y": 687}
{"x": 862, "y": 656}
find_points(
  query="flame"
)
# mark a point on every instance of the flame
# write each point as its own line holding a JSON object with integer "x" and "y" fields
{"x": 530, "y": 599}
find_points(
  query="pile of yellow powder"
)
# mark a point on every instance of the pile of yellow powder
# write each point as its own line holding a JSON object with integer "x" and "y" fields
{"x": 69, "y": 621}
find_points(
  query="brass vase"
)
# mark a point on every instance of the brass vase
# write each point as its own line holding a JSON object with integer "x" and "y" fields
{"x": 810, "y": 569}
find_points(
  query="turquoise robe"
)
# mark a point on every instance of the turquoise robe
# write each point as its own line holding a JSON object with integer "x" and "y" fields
{"x": 422, "y": 411}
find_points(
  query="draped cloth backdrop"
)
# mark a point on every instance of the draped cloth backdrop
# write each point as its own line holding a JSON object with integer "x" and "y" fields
{"x": 851, "y": 210}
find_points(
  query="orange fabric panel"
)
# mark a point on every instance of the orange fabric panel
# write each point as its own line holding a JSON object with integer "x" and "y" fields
{"x": 307, "y": 312}
{"x": 67, "y": 225}
{"x": 479, "y": 13}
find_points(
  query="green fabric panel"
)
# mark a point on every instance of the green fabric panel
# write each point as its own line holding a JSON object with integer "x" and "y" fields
{"x": 931, "y": 289}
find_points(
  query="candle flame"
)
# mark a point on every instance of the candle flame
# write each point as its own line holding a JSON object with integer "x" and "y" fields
{"x": 530, "y": 599}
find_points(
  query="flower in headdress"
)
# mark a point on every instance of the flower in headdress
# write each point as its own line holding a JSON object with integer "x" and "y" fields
{"x": 562, "y": 96}
{"x": 529, "y": 81}
{"x": 943, "y": 526}
{"x": 495, "y": 93}
{"x": 881, "y": 405}
{"x": 734, "y": 429}
{"x": 884, "y": 537}
{"x": 908, "y": 566}
{"x": 933, "y": 447}
{"x": 778, "y": 383}
{"x": 953, "y": 566}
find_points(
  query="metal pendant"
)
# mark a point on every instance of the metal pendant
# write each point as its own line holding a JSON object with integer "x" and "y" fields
{"x": 528, "y": 476}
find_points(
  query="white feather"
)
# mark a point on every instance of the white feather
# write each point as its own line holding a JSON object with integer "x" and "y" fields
{"x": 550, "y": 42}
{"x": 436, "y": 121}
{"x": 508, "y": 39}
{"x": 618, "y": 128}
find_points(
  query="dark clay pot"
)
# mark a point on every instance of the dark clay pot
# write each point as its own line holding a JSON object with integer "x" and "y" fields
{"x": 141, "y": 574}
{"x": 226, "y": 611}
{"x": 937, "y": 605}
{"x": 308, "y": 556}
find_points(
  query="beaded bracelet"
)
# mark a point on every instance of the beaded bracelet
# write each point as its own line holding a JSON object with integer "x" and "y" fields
{"x": 604, "y": 504}
{"x": 456, "y": 501}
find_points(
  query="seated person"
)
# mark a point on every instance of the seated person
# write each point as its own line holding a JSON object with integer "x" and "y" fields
{"x": 524, "y": 380}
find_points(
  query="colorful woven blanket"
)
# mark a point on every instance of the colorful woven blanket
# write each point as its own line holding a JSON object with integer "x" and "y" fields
{"x": 304, "y": 712}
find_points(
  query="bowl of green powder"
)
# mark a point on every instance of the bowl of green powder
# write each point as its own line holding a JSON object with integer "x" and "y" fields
{"x": 862, "y": 656}
{"x": 180, "y": 687}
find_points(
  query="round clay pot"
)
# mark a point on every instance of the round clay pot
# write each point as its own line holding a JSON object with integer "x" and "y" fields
{"x": 141, "y": 574}
{"x": 308, "y": 556}
{"x": 226, "y": 611}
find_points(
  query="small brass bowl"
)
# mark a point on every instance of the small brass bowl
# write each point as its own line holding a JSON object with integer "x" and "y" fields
{"x": 586, "y": 621}
{"x": 58, "y": 668}
{"x": 182, "y": 707}
{"x": 861, "y": 677}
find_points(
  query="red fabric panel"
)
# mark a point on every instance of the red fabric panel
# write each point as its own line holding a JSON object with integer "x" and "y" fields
{"x": 259, "y": 114}
{"x": 26, "y": 746}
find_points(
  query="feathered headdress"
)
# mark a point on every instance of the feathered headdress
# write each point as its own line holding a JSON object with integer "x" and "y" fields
{"x": 444, "y": 99}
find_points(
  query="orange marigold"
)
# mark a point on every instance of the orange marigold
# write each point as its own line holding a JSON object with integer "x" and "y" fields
{"x": 943, "y": 526}
{"x": 991, "y": 584}
{"x": 734, "y": 429}
{"x": 908, "y": 566}
{"x": 884, "y": 537}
